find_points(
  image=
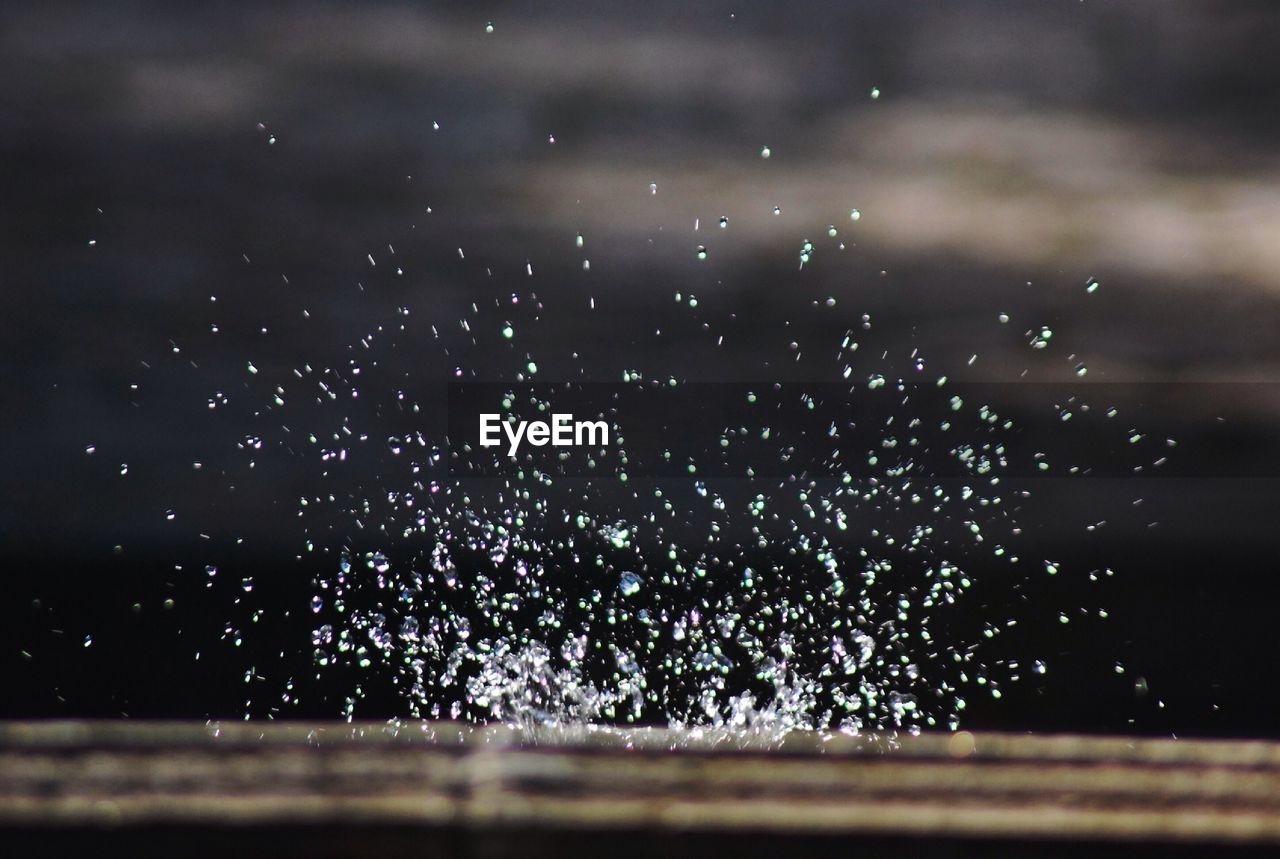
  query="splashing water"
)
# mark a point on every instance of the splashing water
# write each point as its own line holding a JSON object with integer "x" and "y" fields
{"x": 839, "y": 601}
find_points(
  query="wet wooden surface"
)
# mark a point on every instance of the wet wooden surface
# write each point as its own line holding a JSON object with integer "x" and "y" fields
{"x": 432, "y": 781}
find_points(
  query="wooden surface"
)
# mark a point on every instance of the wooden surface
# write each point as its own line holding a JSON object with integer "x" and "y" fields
{"x": 442, "y": 777}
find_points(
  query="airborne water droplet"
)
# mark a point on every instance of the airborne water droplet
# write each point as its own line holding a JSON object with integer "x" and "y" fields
{"x": 629, "y": 584}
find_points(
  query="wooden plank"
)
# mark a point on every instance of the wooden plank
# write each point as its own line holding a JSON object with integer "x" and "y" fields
{"x": 449, "y": 777}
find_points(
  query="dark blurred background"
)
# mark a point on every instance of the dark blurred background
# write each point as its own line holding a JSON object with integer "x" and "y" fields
{"x": 313, "y": 167}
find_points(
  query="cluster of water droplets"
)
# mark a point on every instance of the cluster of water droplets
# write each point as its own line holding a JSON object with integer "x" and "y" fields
{"x": 771, "y": 603}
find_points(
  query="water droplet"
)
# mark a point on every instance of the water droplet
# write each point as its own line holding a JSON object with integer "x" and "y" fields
{"x": 629, "y": 584}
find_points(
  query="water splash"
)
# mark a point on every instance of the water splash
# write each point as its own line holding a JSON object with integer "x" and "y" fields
{"x": 832, "y": 602}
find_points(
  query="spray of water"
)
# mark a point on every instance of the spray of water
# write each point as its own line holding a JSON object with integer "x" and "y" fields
{"x": 773, "y": 601}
